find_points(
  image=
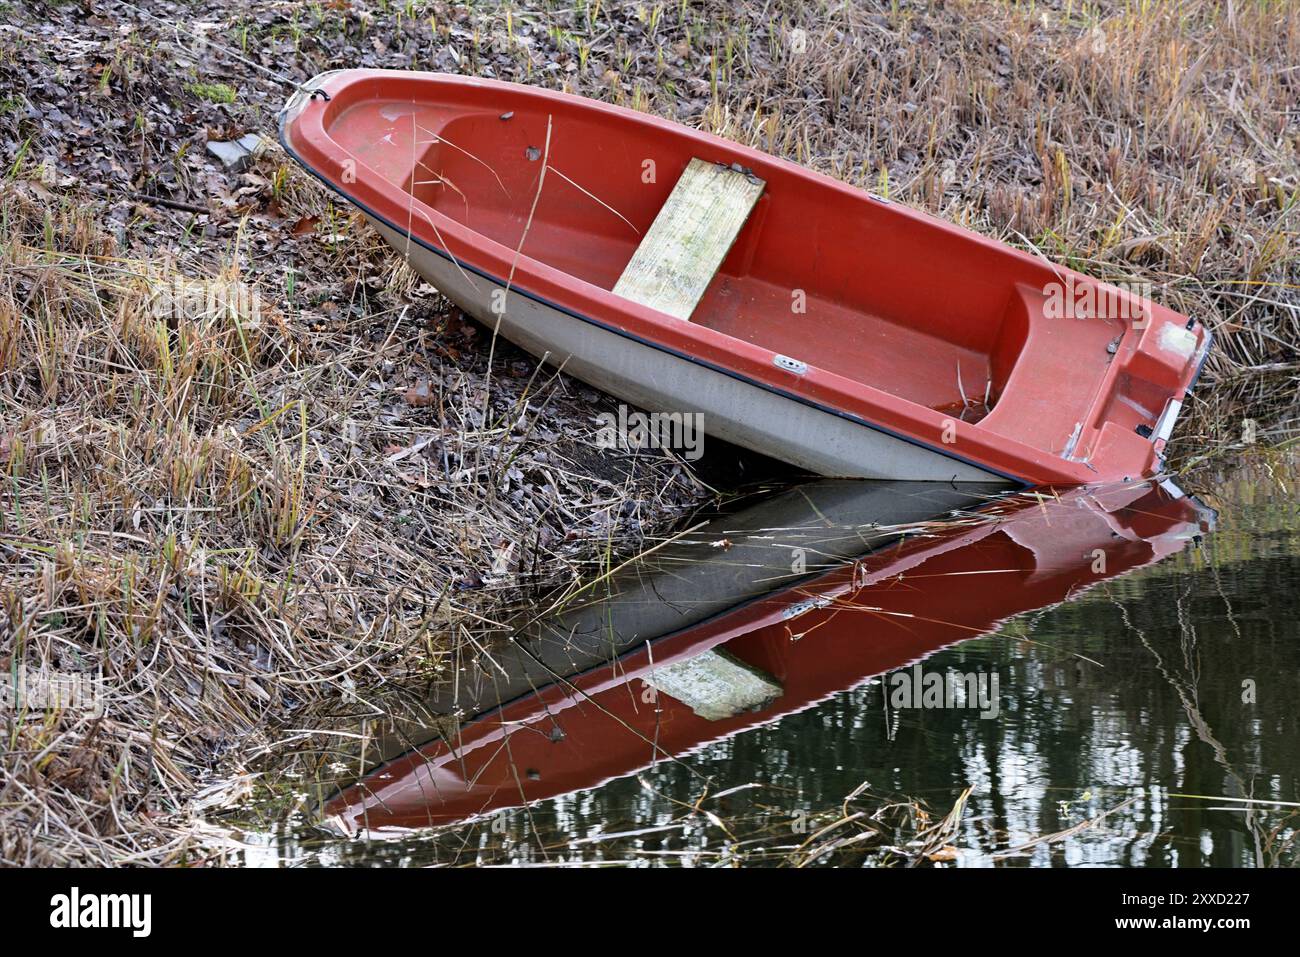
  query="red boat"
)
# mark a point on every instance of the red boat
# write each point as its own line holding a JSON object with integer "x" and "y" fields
{"x": 803, "y": 318}
{"x": 729, "y": 639}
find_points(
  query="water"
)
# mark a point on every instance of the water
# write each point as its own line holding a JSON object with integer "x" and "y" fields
{"x": 1129, "y": 665}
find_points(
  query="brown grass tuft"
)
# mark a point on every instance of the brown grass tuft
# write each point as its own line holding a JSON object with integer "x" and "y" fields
{"x": 229, "y": 517}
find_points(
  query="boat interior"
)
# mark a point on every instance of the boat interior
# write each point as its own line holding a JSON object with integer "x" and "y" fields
{"x": 842, "y": 281}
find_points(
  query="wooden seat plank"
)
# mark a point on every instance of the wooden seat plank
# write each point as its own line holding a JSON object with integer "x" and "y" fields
{"x": 690, "y": 238}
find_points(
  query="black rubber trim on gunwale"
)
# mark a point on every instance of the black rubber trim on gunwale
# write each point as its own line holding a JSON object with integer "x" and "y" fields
{"x": 1016, "y": 480}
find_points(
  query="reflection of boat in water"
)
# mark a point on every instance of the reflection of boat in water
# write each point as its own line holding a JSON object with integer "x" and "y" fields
{"x": 753, "y": 617}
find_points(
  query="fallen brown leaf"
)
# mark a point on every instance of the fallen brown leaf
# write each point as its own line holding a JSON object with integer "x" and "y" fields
{"x": 420, "y": 394}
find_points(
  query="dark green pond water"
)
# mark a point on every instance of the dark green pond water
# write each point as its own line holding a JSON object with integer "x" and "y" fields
{"x": 1145, "y": 718}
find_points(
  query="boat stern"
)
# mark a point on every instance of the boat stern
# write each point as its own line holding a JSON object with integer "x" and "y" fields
{"x": 1155, "y": 367}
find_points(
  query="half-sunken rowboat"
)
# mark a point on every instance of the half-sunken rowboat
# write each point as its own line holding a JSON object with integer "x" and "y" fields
{"x": 803, "y": 318}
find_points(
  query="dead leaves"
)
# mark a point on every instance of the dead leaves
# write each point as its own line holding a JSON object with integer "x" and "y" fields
{"x": 944, "y": 854}
{"x": 421, "y": 394}
{"x": 305, "y": 225}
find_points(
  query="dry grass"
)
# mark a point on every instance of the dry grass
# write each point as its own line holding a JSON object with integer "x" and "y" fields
{"x": 238, "y": 513}
{"x": 231, "y": 517}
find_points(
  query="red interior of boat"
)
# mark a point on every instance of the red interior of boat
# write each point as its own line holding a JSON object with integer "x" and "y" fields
{"x": 863, "y": 284}
{"x": 901, "y": 318}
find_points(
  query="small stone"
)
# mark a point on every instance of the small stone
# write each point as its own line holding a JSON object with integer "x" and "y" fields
{"x": 237, "y": 155}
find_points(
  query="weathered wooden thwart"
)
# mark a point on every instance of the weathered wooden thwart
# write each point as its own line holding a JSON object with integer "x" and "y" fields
{"x": 795, "y": 315}
{"x": 690, "y": 238}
